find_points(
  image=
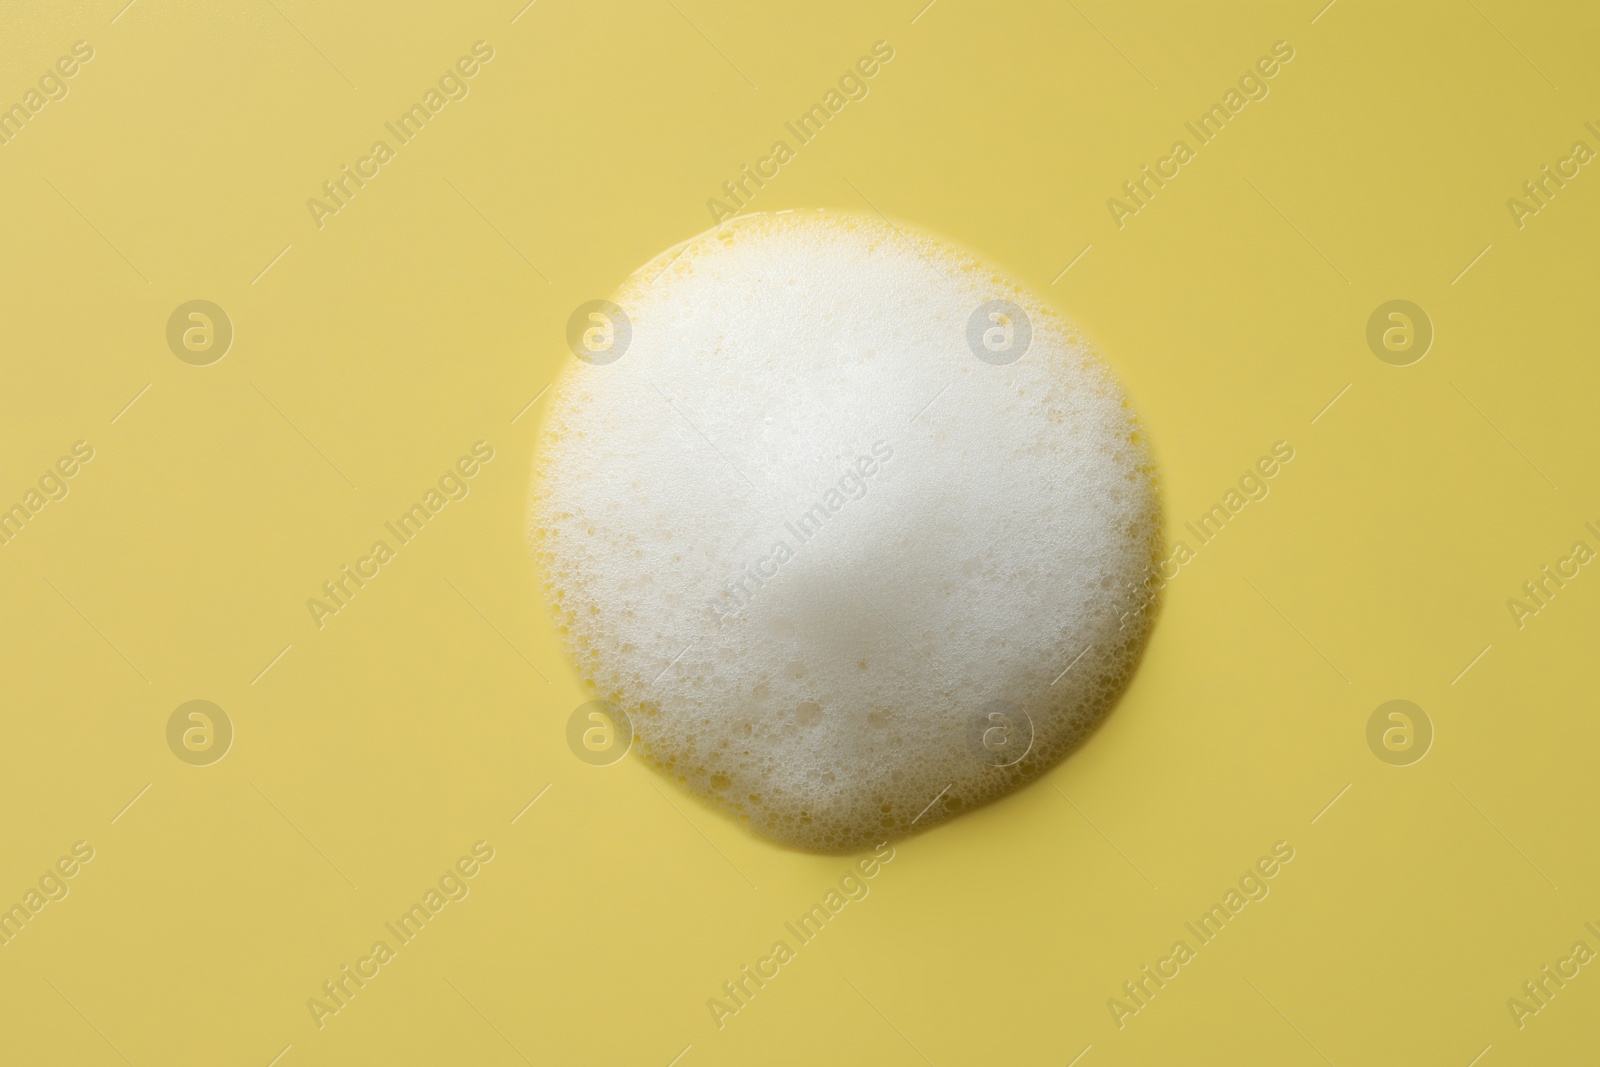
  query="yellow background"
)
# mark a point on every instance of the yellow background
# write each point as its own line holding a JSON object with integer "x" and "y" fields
{"x": 427, "y": 714}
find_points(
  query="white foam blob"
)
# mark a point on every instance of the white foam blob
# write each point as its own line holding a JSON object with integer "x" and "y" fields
{"x": 830, "y": 562}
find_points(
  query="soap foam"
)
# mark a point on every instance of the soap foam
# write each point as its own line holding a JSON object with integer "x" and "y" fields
{"x": 809, "y": 542}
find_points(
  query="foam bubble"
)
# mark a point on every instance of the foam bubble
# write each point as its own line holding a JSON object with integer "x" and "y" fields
{"x": 832, "y": 527}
